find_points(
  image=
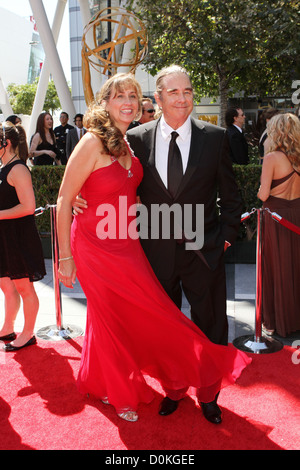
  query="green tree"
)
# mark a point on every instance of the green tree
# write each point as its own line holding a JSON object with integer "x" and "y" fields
{"x": 22, "y": 97}
{"x": 51, "y": 100}
{"x": 227, "y": 46}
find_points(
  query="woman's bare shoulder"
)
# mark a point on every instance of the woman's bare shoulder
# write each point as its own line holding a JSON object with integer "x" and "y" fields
{"x": 275, "y": 154}
{"x": 277, "y": 159}
{"x": 90, "y": 151}
{"x": 19, "y": 174}
{"x": 36, "y": 138}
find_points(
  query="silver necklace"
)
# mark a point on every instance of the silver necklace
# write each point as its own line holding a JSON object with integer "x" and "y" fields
{"x": 129, "y": 174}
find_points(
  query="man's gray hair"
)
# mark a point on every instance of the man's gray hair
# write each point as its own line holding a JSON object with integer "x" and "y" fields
{"x": 172, "y": 69}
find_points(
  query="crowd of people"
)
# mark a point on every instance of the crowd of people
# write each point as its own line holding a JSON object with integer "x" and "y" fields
{"x": 133, "y": 286}
{"x": 54, "y": 146}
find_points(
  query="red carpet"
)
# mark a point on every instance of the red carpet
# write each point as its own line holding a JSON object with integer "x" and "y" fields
{"x": 41, "y": 409}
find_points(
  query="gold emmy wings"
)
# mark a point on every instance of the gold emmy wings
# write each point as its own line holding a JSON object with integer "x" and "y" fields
{"x": 120, "y": 26}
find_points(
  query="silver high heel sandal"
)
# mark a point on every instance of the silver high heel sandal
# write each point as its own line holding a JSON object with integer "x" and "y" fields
{"x": 129, "y": 415}
{"x": 105, "y": 401}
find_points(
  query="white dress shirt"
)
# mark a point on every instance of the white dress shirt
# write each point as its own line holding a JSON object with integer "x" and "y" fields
{"x": 238, "y": 127}
{"x": 163, "y": 137}
{"x": 78, "y": 132}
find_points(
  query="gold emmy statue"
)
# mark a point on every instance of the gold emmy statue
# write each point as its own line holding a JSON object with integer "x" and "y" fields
{"x": 120, "y": 27}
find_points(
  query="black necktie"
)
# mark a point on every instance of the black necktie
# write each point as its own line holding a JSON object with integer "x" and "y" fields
{"x": 175, "y": 171}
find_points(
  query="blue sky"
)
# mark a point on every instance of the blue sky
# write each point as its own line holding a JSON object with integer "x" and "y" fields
{"x": 22, "y": 8}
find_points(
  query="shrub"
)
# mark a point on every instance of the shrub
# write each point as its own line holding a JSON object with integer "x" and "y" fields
{"x": 248, "y": 180}
{"x": 47, "y": 179}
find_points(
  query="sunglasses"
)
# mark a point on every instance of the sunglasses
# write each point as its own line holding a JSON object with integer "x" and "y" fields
{"x": 149, "y": 111}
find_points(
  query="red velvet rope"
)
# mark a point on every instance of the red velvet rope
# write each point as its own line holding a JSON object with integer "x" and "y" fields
{"x": 277, "y": 217}
{"x": 287, "y": 224}
{"x": 284, "y": 222}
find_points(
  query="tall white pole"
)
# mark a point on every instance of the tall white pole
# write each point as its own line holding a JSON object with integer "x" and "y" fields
{"x": 128, "y": 47}
{"x": 4, "y": 101}
{"x": 45, "y": 73}
{"x": 49, "y": 46}
{"x": 96, "y": 78}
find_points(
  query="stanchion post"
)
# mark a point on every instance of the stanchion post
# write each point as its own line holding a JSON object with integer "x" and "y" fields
{"x": 257, "y": 343}
{"x": 57, "y": 332}
{"x": 259, "y": 277}
{"x": 55, "y": 265}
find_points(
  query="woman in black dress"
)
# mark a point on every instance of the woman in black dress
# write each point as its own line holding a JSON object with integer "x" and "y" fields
{"x": 21, "y": 256}
{"x": 43, "y": 148}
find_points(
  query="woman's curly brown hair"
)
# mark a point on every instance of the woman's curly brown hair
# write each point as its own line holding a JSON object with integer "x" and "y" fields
{"x": 97, "y": 119}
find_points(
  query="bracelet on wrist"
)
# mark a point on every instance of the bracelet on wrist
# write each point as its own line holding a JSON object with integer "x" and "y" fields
{"x": 65, "y": 259}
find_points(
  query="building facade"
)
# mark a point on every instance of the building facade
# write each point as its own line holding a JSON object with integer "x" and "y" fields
{"x": 77, "y": 11}
{"x": 16, "y": 54}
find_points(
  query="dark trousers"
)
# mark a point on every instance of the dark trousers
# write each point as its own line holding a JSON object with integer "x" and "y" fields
{"x": 205, "y": 291}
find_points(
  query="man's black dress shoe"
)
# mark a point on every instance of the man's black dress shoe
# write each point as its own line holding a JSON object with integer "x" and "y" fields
{"x": 10, "y": 347}
{"x": 211, "y": 412}
{"x": 9, "y": 337}
{"x": 167, "y": 406}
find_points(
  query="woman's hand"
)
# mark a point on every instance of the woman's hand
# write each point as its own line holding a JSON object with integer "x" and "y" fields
{"x": 67, "y": 272}
{"x": 51, "y": 154}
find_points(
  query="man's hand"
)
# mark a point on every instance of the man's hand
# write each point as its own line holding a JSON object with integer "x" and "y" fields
{"x": 226, "y": 245}
{"x": 79, "y": 205}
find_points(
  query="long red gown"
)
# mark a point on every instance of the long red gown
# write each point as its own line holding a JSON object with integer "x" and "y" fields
{"x": 133, "y": 328}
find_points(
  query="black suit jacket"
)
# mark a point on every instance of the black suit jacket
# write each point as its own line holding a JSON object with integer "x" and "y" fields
{"x": 208, "y": 176}
{"x": 238, "y": 146}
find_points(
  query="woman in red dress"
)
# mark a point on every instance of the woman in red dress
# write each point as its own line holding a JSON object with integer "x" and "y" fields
{"x": 133, "y": 328}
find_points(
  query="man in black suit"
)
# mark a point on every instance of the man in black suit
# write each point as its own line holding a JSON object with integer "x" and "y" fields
{"x": 235, "y": 119}
{"x": 75, "y": 134}
{"x": 207, "y": 179}
{"x": 61, "y": 133}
